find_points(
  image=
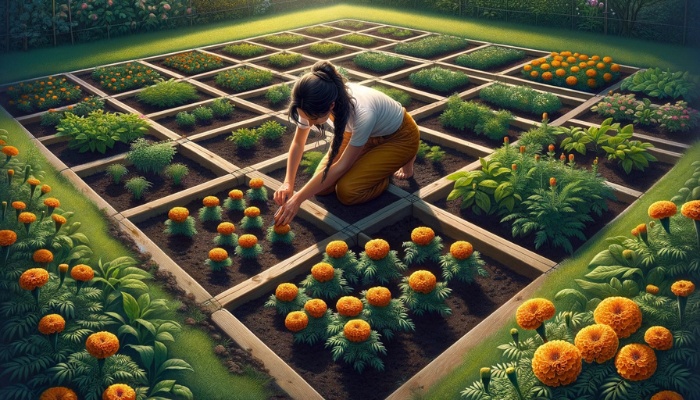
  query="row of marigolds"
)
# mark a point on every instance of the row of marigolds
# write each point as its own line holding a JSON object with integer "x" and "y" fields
{"x": 573, "y": 70}
{"x": 355, "y": 330}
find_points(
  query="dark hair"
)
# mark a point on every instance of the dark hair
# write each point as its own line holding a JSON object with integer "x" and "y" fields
{"x": 315, "y": 92}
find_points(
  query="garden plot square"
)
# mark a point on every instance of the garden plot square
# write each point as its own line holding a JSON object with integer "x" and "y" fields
{"x": 364, "y": 41}
{"x": 353, "y": 62}
{"x": 190, "y": 62}
{"x": 396, "y": 33}
{"x": 321, "y": 31}
{"x": 34, "y": 125}
{"x": 241, "y": 50}
{"x": 283, "y": 40}
{"x": 240, "y": 79}
{"x": 482, "y": 59}
{"x": 432, "y": 46}
{"x": 132, "y": 100}
{"x": 327, "y": 50}
{"x": 353, "y": 25}
{"x": 271, "y": 98}
{"x": 436, "y": 79}
{"x": 123, "y": 77}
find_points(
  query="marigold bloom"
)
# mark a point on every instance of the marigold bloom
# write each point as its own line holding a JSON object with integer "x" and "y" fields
{"x": 620, "y": 313}
{"x": 52, "y": 202}
{"x": 422, "y": 281}
{"x": 286, "y": 292}
{"x": 26, "y": 217}
{"x": 662, "y": 209}
{"x": 571, "y": 80}
{"x": 607, "y": 77}
{"x": 597, "y": 342}
{"x": 218, "y": 254}
{"x": 256, "y": 183}
{"x": 551, "y": 147}
{"x": 33, "y": 182}
{"x": 59, "y": 219}
{"x": 102, "y": 344}
{"x": 7, "y": 237}
{"x": 252, "y": 212}
{"x": 210, "y": 201}
{"x": 557, "y": 363}
{"x": 247, "y": 241}
{"x": 422, "y": 235}
{"x": 377, "y": 249}
{"x": 226, "y": 228}
{"x": 58, "y": 393}
{"x": 33, "y": 278}
{"x": 63, "y": 268}
{"x": 10, "y": 151}
{"x": 296, "y": 321}
{"x": 691, "y": 210}
{"x": 357, "y": 330}
{"x": 552, "y": 181}
{"x": 636, "y": 362}
{"x": 282, "y": 229}
{"x": 533, "y": 312}
{"x": 349, "y": 306}
{"x": 19, "y": 205}
{"x": 667, "y": 395}
{"x": 683, "y": 288}
{"x": 461, "y": 250}
{"x": 641, "y": 228}
{"x": 560, "y": 72}
{"x": 235, "y": 194}
{"x": 316, "y": 308}
{"x": 378, "y": 296}
{"x": 659, "y": 338}
{"x": 651, "y": 289}
{"x": 547, "y": 76}
{"x": 42, "y": 256}
{"x": 52, "y": 323}
{"x": 323, "y": 272}
{"x": 178, "y": 214}
{"x": 607, "y": 59}
{"x": 615, "y": 68}
{"x": 82, "y": 273}
{"x": 45, "y": 189}
{"x": 336, "y": 249}
{"x": 119, "y": 391}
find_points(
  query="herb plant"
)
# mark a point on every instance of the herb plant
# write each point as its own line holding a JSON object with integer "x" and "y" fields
{"x": 204, "y": 115}
{"x": 271, "y": 130}
{"x": 399, "y": 95}
{"x": 431, "y": 46}
{"x": 100, "y": 131}
{"x": 150, "y": 157}
{"x": 243, "y": 78}
{"x": 278, "y": 93}
{"x": 176, "y": 172}
{"x": 482, "y": 120}
{"x": 398, "y": 33}
{"x": 185, "y": 120}
{"x": 326, "y": 49}
{"x": 489, "y": 57}
{"x": 521, "y": 98}
{"x": 244, "y": 50}
{"x": 222, "y": 108}
{"x": 137, "y": 186}
{"x": 359, "y": 40}
{"x": 284, "y": 60}
{"x": 168, "y": 94}
{"x": 244, "y": 138}
{"x": 439, "y": 79}
{"x": 378, "y": 62}
{"x": 116, "y": 172}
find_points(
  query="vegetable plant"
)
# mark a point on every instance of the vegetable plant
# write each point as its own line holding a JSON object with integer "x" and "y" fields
{"x": 278, "y": 93}
{"x": 271, "y": 130}
{"x": 630, "y": 154}
{"x": 660, "y": 83}
{"x": 116, "y": 172}
{"x": 378, "y": 61}
{"x": 244, "y": 138}
{"x": 439, "y": 79}
{"x": 489, "y": 57}
{"x": 150, "y": 157}
{"x": 167, "y": 94}
{"x": 185, "y": 120}
{"x": 243, "y": 78}
{"x": 203, "y": 115}
{"x": 244, "y": 50}
{"x": 176, "y": 172}
{"x": 222, "y": 108}
{"x": 326, "y": 49}
{"x": 100, "y": 131}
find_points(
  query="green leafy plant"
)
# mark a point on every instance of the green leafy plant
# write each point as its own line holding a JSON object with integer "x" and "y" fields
{"x": 51, "y": 117}
{"x": 271, "y": 130}
{"x": 167, "y": 94}
{"x": 328, "y": 289}
{"x": 358, "y": 354}
{"x": 310, "y": 161}
{"x": 222, "y": 108}
{"x": 150, "y": 157}
{"x": 244, "y": 50}
{"x": 436, "y": 154}
{"x": 431, "y": 46}
{"x": 617, "y": 106}
{"x": 423, "y": 149}
{"x": 425, "y": 297}
{"x": 385, "y": 318}
{"x": 439, "y": 79}
{"x": 399, "y": 95}
{"x": 116, "y": 172}
{"x": 522, "y": 98}
{"x": 378, "y": 61}
{"x": 87, "y": 105}
{"x": 487, "y": 190}
{"x": 395, "y": 32}
{"x": 656, "y": 82}
{"x": 691, "y": 187}
{"x": 461, "y": 265}
{"x": 193, "y": 62}
{"x": 539, "y": 136}
{"x": 283, "y": 39}
{"x": 243, "y": 78}
{"x": 185, "y": 120}
{"x": 158, "y": 365}
{"x": 176, "y": 172}
{"x": 284, "y": 60}
{"x": 351, "y": 24}
{"x": 278, "y": 93}
{"x": 100, "y": 131}
{"x": 489, "y": 57}
{"x": 322, "y": 31}
{"x": 630, "y": 154}
{"x": 326, "y": 49}
{"x": 137, "y": 186}
{"x": 357, "y": 39}
{"x": 203, "y": 115}
{"x": 120, "y": 78}
{"x": 471, "y": 115}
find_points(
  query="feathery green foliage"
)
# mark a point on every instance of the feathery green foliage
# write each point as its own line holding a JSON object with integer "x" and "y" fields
{"x": 137, "y": 186}
{"x": 116, "y": 172}
{"x": 489, "y": 57}
{"x": 150, "y": 157}
{"x": 168, "y": 94}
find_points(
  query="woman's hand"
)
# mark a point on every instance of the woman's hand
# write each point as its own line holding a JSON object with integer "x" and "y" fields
{"x": 284, "y": 192}
{"x": 287, "y": 211}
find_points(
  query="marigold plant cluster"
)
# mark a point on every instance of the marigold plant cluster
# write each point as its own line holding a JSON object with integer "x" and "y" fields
{"x": 129, "y": 76}
{"x": 573, "y": 70}
{"x": 43, "y": 94}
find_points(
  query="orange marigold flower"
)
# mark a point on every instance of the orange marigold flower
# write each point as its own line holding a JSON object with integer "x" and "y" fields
{"x": 19, "y": 205}
{"x": 422, "y": 235}
{"x": 58, "y": 393}
{"x": 557, "y": 363}
{"x": 26, "y": 218}
{"x": 552, "y": 181}
{"x": 667, "y": 395}
{"x": 534, "y": 74}
{"x": 461, "y": 250}
{"x": 256, "y": 183}
{"x": 235, "y": 194}
{"x": 591, "y": 73}
{"x": 252, "y": 212}
{"x": 45, "y": 189}
{"x": 226, "y": 228}
{"x": 247, "y": 241}
{"x": 296, "y": 321}
{"x": 33, "y": 278}
{"x": 607, "y": 59}
{"x": 422, "y": 281}
{"x": 378, "y": 296}
{"x": 535, "y": 62}
{"x": 533, "y": 312}
{"x": 560, "y": 72}
{"x": 210, "y": 201}
{"x": 607, "y": 77}
{"x": 545, "y": 66}
{"x": 615, "y": 68}
{"x": 620, "y": 313}
{"x": 547, "y": 76}
{"x": 102, "y": 344}
{"x": 316, "y": 308}
{"x": 42, "y": 256}
{"x": 651, "y": 289}
{"x": 349, "y": 306}
{"x": 51, "y": 323}
{"x": 7, "y": 237}
{"x": 591, "y": 83}
{"x": 336, "y": 249}
{"x": 178, "y": 214}
{"x": 377, "y": 249}
{"x": 119, "y": 391}
{"x": 286, "y": 292}
{"x": 357, "y": 330}
{"x": 82, "y": 272}
{"x": 63, "y": 268}
{"x": 59, "y": 219}
{"x": 636, "y": 362}
{"x": 597, "y": 342}
{"x": 527, "y": 68}
{"x": 683, "y": 288}
{"x": 323, "y": 272}
{"x": 52, "y": 202}
{"x": 641, "y": 228}
{"x": 10, "y": 151}
{"x": 659, "y": 338}
{"x": 33, "y": 182}
{"x": 218, "y": 254}
{"x": 691, "y": 210}
{"x": 571, "y": 80}
{"x": 282, "y": 229}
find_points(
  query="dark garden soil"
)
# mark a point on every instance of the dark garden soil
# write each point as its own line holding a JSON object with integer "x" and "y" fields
{"x": 144, "y": 108}
{"x": 652, "y": 130}
{"x": 346, "y": 50}
{"x": 238, "y": 115}
{"x": 211, "y": 81}
{"x": 39, "y": 131}
{"x": 407, "y": 82}
{"x": 261, "y": 100}
{"x": 191, "y": 253}
{"x": 350, "y": 64}
{"x": 72, "y": 158}
{"x": 407, "y": 353}
{"x": 120, "y": 198}
{"x": 433, "y": 122}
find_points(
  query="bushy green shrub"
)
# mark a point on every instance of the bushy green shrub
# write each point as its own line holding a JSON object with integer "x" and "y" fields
{"x": 176, "y": 172}
{"x": 137, "y": 186}
{"x": 431, "y": 46}
{"x": 439, "y": 79}
{"x": 284, "y": 60}
{"x": 150, "y": 157}
{"x": 51, "y": 117}
{"x": 357, "y": 39}
{"x": 283, "y": 39}
{"x": 479, "y": 118}
{"x": 539, "y": 136}
{"x": 116, "y": 172}
{"x": 271, "y": 130}
{"x": 87, "y": 105}
{"x": 397, "y": 94}
{"x": 120, "y": 78}
{"x": 100, "y": 131}
{"x": 278, "y": 93}
{"x": 244, "y": 50}
{"x": 398, "y": 33}
{"x": 243, "y": 78}
{"x": 185, "y": 120}
{"x": 489, "y": 57}
{"x": 244, "y": 138}
{"x": 222, "y": 108}
{"x": 168, "y": 94}
{"x": 378, "y": 62}
{"x": 326, "y": 49}
{"x": 656, "y": 82}
{"x": 521, "y": 98}
{"x": 193, "y": 62}
{"x": 322, "y": 31}
{"x": 203, "y": 115}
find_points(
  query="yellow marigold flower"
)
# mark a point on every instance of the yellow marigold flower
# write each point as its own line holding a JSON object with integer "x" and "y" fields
{"x": 565, "y": 53}
{"x": 52, "y": 202}
{"x": 58, "y": 393}
{"x": 59, "y": 219}
{"x": 535, "y": 63}
{"x": 651, "y": 289}
{"x": 597, "y": 343}
{"x": 316, "y": 308}
{"x": 662, "y": 209}
{"x": 51, "y": 323}
{"x": 296, "y": 321}
{"x": 636, "y": 362}
{"x": 7, "y": 237}
{"x": 591, "y": 73}
{"x": 252, "y": 212}
{"x": 119, "y": 391}
{"x": 557, "y": 363}
{"x": 376, "y": 249}
{"x": 102, "y": 344}
{"x": 178, "y": 214}
{"x": 534, "y": 74}
{"x": 210, "y": 201}
{"x": 659, "y": 338}
{"x": 336, "y": 249}
{"x": 590, "y": 63}
{"x": 533, "y": 312}
{"x": 600, "y": 65}
{"x": 19, "y": 205}
{"x": 282, "y": 229}
{"x": 45, "y": 189}
{"x": 527, "y": 68}
{"x": 357, "y": 330}
{"x": 691, "y": 210}
{"x": 286, "y": 292}
{"x": 461, "y": 250}
{"x": 33, "y": 278}
{"x": 82, "y": 272}
{"x": 547, "y": 76}
{"x": 620, "y": 313}
{"x": 571, "y": 80}
{"x": 683, "y": 288}
{"x": 615, "y": 68}
{"x": 378, "y": 296}
{"x": 42, "y": 256}
{"x": 33, "y": 182}
{"x": 545, "y": 66}
{"x": 10, "y": 151}
{"x": 607, "y": 59}
{"x": 247, "y": 241}
{"x": 256, "y": 183}
{"x": 564, "y": 64}
{"x": 349, "y": 306}
{"x": 556, "y": 63}
{"x": 422, "y": 235}
{"x": 560, "y": 72}
{"x": 235, "y": 194}
{"x": 226, "y": 228}
{"x": 323, "y": 272}
{"x": 218, "y": 254}
{"x": 422, "y": 281}
{"x": 667, "y": 395}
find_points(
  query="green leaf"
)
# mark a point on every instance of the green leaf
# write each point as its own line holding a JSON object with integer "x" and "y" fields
{"x": 131, "y": 306}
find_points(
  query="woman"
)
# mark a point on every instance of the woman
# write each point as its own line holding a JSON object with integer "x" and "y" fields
{"x": 373, "y": 137}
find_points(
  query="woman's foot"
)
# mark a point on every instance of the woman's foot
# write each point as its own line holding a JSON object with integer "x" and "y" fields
{"x": 406, "y": 171}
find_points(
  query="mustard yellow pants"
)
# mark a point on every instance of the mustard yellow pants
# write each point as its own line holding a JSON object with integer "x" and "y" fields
{"x": 380, "y": 158}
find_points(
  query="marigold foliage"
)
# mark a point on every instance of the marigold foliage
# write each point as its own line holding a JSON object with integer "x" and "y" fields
{"x": 386, "y": 319}
{"x": 620, "y": 313}
{"x": 557, "y": 363}
{"x": 287, "y": 298}
{"x": 381, "y": 270}
{"x": 248, "y": 247}
{"x": 465, "y": 265}
{"x": 597, "y": 342}
{"x": 33, "y": 278}
{"x": 82, "y": 272}
{"x": 683, "y": 288}
{"x": 424, "y": 245}
{"x": 119, "y": 391}
{"x": 433, "y": 301}
{"x": 636, "y": 362}
{"x": 51, "y": 323}
{"x": 659, "y": 338}
{"x": 58, "y": 393}
{"x": 533, "y": 312}
{"x": 257, "y": 194}
{"x": 102, "y": 344}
